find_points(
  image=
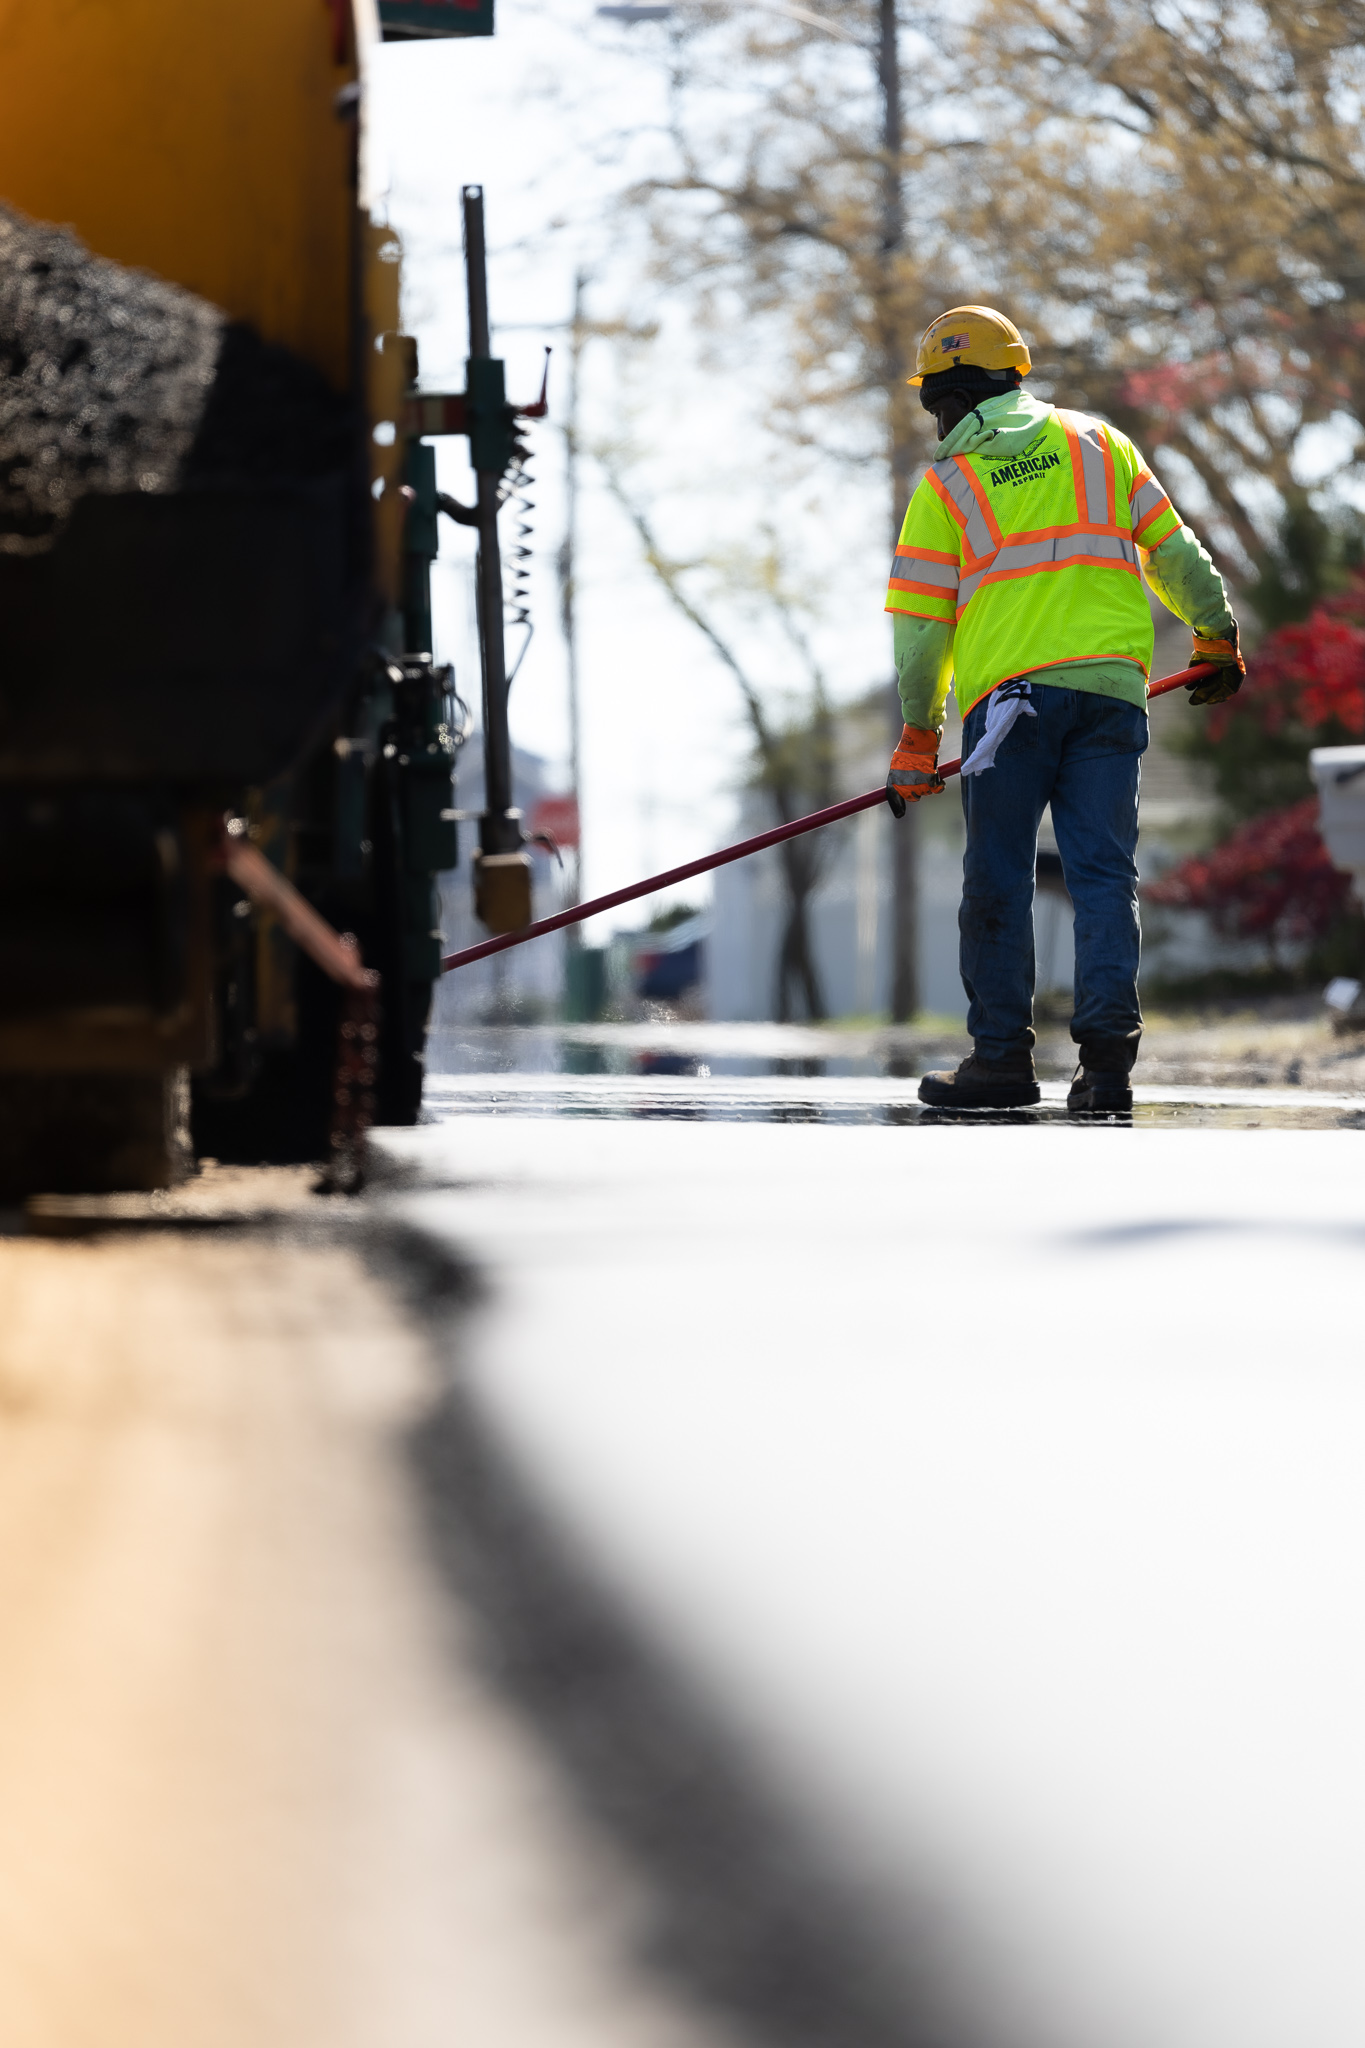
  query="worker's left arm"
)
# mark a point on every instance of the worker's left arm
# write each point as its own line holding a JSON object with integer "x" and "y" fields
{"x": 922, "y": 601}
{"x": 923, "y": 650}
{"x": 1183, "y": 575}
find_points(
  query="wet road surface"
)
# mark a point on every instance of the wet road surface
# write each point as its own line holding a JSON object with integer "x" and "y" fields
{"x": 700, "y": 1095}
{"x": 994, "y": 1491}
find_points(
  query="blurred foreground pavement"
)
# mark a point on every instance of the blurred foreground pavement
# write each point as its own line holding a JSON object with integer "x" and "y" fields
{"x": 938, "y": 1553}
{"x": 253, "y": 1792}
{"x": 695, "y": 1562}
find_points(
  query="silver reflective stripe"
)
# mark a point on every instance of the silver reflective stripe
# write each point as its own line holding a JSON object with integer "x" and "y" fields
{"x": 1148, "y": 498}
{"x": 1065, "y": 547}
{"x": 914, "y": 569}
{"x": 979, "y": 538}
{"x": 1046, "y": 554}
{"x": 1090, "y": 434}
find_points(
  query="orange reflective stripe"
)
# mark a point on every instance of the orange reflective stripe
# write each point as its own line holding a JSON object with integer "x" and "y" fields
{"x": 1095, "y": 485}
{"x": 1073, "y": 442}
{"x": 930, "y": 573}
{"x": 925, "y": 554}
{"x": 1024, "y": 551}
{"x": 1157, "y": 512}
{"x": 969, "y": 505}
{"x": 936, "y": 483}
{"x": 1083, "y": 558}
{"x": 978, "y": 490}
{"x": 1077, "y": 561}
{"x": 1083, "y": 550}
{"x": 1148, "y": 501}
{"x": 940, "y": 572}
{"x": 1036, "y": 533}
{"x": 909, "y": 611}
{"x": 1050, "y": 548}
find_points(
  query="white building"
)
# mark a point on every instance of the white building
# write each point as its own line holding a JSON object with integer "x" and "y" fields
{"x": 524, "y": 982}
{"x": 851, "y": 911}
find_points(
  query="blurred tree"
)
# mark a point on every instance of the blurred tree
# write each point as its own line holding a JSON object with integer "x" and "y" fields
{"x": 1272, "y": 877}
{"x": 780, "y": 203}
{"x": 1316, "y": 556}
{"x": 1271, "y": 880}
{"x": 1172, "y": 197}
{"x": 1305, "y": 688}
{"x": 795, "y": 756}
{"x": 1169, "y": 196}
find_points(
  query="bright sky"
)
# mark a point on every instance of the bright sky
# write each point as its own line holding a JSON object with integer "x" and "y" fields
{"x": 530, "y": 115}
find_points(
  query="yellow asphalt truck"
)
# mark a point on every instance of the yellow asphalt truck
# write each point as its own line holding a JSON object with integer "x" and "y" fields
{"x": 217, "y": 515}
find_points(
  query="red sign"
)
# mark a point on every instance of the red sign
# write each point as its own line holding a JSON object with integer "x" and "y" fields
{"x": 557, "y": 815}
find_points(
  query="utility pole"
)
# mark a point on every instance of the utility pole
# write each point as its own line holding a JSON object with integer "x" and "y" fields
{"x": 566, "y": 563}
{"x": 895, "y": 368}
{"x": 500, "y": 830}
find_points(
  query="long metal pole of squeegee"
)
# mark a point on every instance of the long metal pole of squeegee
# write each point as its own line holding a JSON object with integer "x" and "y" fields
{"x": 500, "y": 834}
{"x": 653, "y": 883}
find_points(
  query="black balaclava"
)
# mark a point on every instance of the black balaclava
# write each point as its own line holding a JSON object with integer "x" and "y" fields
{"x": 971, "y": 380}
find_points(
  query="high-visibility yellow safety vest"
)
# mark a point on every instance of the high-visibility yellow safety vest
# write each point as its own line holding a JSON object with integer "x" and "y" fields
{"x": 1035, "y": 560}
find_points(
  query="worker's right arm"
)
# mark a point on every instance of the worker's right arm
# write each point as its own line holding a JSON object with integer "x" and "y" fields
{"x": 1179, "y": 570}
{"x": 1182, "y": 574}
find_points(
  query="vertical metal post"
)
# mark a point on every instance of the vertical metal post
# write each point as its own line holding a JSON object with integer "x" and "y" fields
{"x": 420, "y": 545}
{"x": 500, "y": 831}
{"x": 567, "y": 568}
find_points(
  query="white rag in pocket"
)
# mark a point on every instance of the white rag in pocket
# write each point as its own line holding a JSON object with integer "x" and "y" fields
{"x": 1009, "y": 701}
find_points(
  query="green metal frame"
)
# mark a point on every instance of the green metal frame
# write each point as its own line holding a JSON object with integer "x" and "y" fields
{"x": 419, "y": 20}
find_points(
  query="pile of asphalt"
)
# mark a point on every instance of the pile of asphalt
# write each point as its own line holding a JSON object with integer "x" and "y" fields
{"x": 114, "y": 381}
{"x": 269, "y": 418}
{"x": 104, "y": 376}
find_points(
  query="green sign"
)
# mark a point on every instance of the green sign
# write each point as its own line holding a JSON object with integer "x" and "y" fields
{"x": 404, "y": 20}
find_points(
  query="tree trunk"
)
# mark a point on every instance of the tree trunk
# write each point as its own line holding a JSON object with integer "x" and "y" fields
{"x": 797, "y": 973}
{"x": 905, "y": 996}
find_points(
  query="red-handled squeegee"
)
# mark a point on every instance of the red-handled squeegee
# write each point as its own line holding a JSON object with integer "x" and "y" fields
{"x": 847, "y": 809}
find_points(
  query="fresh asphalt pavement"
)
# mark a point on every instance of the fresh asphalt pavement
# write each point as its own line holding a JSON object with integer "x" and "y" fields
{"x": 993, "y": 1491}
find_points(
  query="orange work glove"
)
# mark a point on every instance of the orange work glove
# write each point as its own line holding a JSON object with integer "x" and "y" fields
{"x": 1218, "y": 688}
{"x": 914, "y": 769}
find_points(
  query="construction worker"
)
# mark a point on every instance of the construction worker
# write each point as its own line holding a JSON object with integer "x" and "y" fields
{"x": 1017, "y": 574}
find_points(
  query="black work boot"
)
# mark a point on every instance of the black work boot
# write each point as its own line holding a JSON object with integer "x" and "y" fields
{"x": 983, "y": 1084}
{"x": 1098, "y": 1094}
{"x": 1102, "y": 1086}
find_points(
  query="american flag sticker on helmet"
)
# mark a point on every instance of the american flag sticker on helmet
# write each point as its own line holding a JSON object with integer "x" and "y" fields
{"x": 952, "y": 341}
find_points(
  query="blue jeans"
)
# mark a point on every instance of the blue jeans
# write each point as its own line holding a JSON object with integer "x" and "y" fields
{"x": 1081, "y": 754}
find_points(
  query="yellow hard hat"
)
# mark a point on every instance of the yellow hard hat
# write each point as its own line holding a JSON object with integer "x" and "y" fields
{"x": 971, "y": 334}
